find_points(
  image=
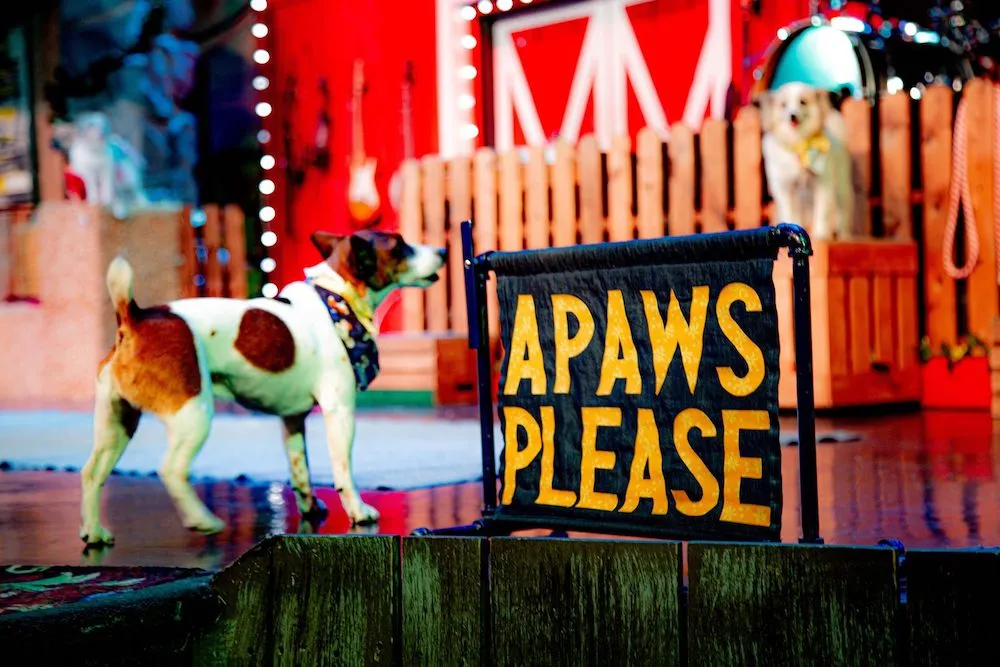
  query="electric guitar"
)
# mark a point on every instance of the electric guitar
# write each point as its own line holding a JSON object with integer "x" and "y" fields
{"x": 396, "y": 182}
{"x": 363, "y": 200}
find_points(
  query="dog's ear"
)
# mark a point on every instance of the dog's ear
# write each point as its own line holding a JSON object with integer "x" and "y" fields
{"x": 363, "y": 258}
{"x": 325, "y": 242}
{"x": 823, "y": 101}
{"x": 765, "y": 102}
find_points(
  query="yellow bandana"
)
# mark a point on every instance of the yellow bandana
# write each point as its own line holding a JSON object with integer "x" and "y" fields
{"x": 809, "y": 150}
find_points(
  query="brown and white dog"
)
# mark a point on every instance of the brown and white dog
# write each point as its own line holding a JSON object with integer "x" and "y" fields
{"x": 281, "y": 356}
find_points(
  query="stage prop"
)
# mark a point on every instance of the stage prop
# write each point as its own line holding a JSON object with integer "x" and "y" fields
{"x": 410, "y": 601}
{"x": 606, "y": 378}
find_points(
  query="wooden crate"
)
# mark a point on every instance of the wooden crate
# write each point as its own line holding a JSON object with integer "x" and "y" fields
{"x": 864, "y": 319}
{"x": 439, "y": 363}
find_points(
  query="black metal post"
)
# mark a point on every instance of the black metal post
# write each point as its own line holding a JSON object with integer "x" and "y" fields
{"x": 479, "y": 338}
{"x": 806, "y": 406}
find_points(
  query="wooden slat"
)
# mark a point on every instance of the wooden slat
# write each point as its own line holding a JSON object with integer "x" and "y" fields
{"x": 935, "y": 162}
{"x": 212, "y": 238}
{"x": 536, "y": 199}
{"x": 236, "y": 244}
{"x": 951, "y": 606}
{"x": 411, "y": 227}
{"x": 245, "y": 632}
{"x": 485, "y": 228}
{"x": 894, "y": 147}
{"x": 189, "y": 263}
{"x": 681, "y": 185}
{"x": 436, "y": 296}
{"x": 442, "y": 601}
{"x": 333, "y": 599}
{"x": 390, "y": 381}
{"x": 840, "y": 337}
{"x": 459, "y": 209}
{"x": 6, "y": 253}
{"x": 907, "y": 327}
{"x": 553, "y": 602}
{"x": 651, "y": 222}
{"x": 858, "y": 294}
{"x": 885, "y": 320}
{"x": 857, "y": 118}
{"x": 511, "y": 223}
{"x": 790, "y": 605}
{"x": 714, "y": 176}
{"x": 588, "y": 160}
{"x": 621, "y": 224}
{"x": 875, "y": 257}
{"x": 564, "y": 195}
{"x": 747, "y": 160}
{"x": 982, "y": 294}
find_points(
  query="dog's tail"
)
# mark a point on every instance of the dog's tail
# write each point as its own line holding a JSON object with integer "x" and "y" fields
{"x": 120, "y": 279}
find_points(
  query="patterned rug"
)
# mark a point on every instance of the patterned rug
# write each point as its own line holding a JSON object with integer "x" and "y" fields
{"x": 31, "y": 587}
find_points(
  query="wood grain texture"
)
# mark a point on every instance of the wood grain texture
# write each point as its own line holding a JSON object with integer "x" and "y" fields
{"x": 536, "y": 200}
{"x": 935, "y": 163}
{"x": 582, "y": 602}
{"x": 435, "y": 234}
{"x": 484, "y": 229}
{"x": 459, "y": 210}
{"x": 714, "y": 175}
{"x": 442, "y": 600}
{"x": 621, "y": 224}
{"x": 791, "y": 605}
{"x": 588, "y": 161}
{"x": 894, "y": 147}
{"x": 747, "y": 169}
{"x": 333, "y": 600}
{"x": 651, "y": 222}
{"x": 982, "y": 284}
{"x": 681, "y": 184}
{"x": 858, "y": 119}
{"x": 564, "y": 220}
{"x": 411, "y": 226}
{"x": 951, "y": 612}
{"x": 511, "y": 226}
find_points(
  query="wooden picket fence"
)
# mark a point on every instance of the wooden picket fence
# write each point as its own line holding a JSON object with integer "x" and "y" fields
{"x": 213, "y": 245}
{"x": 706, "y": 182}
{"x": 18, "y": 277}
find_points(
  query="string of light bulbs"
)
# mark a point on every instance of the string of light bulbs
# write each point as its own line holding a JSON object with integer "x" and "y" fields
{"x": 263, "y": 109}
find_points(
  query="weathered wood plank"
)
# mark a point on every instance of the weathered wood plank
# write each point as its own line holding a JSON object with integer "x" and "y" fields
{"x": 894, "y": 149}
{"x": 484, "y": 230}
{"x": 411, "y": 226}
{"x": 442, "y": 599}
{"x": 714, "y": 176}
{"x": 588, "y": 160}
{"x": 333, "y": 600}
{"x": 858, "y": 120}
{"x": 433, "y": 181}
{"x": 564, "y": 221}
{"x": 791, "y": 605}
{"x": 982, "y": 295}
{"x": 951, "y": 611}
{"x": 459, "y": 209}
{"x": 935, "y": 163}
{"x": 621, "y": 224}
{"x": 747, "y": 161}
{"x": 651, "y": 222}
{"x": 584, "y": 602}
{"x": 681, "y": 185}
{"x": 536, "y": 199}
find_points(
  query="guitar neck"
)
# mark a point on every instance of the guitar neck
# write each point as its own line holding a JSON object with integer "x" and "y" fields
{"x": 359, "y": 139}
{"x": 407, "y": 127}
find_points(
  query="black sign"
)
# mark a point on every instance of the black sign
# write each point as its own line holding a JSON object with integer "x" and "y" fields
{"x": 644, "y": 396}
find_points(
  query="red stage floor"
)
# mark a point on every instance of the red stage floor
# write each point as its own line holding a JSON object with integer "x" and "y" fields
{"x": 927, "y": 480}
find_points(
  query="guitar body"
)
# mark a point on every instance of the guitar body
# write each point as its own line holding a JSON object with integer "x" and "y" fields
{"x": 363, "y": 201}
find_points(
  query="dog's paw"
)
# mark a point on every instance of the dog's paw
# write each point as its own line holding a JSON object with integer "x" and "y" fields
{"x": 96, "y": 536}
{"x": 208, "y": 525}
{"x": 364, "y": 514}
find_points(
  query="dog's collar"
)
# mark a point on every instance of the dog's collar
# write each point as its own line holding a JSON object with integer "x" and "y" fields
{"x": 811, "y": 151}
{"x": 358, "y": 339}
{"x": 335, "y": 284}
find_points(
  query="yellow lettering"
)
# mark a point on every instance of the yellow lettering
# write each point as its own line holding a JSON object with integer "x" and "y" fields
{"x": 688, "y": 419}
{"x": 546, "y": 494}
{"x": 621, "y": 361}
{"x": 647, "y": 455}
{"x": 666, "y": 337}
{"x": 518, "y": 459}
{"x": 734, "y": 384}
{"x": 593, "y": 459}
{"x": 525, "y": 356}
{"x": 738, "y": 468}
{"x": 566, "y": 347}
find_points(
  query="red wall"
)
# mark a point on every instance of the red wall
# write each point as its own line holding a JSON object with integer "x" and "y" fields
{"x": 322, "y": 38}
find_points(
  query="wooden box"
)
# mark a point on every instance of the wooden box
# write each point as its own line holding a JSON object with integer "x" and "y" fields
{"x": 864, "y": 324}
{"x": 440, "y": 364}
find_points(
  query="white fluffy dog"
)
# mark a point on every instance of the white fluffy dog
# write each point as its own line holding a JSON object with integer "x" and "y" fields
{"x": 806, "y": 161}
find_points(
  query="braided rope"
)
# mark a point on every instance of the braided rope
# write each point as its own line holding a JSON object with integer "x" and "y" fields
{"x": 961, "y": 196}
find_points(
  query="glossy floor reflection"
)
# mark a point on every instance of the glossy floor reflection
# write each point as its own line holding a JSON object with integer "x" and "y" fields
{"x": 928, "y": 480}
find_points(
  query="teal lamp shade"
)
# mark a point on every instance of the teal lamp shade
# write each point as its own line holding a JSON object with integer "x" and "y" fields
{"x": 821, "y": 57}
